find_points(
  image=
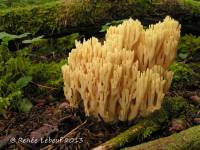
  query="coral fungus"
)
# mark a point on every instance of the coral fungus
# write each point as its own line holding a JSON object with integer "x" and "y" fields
{"x": 127, "y": 75}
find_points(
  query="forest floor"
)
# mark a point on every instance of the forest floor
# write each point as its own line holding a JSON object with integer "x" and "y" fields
{"x": 53, "y": 119}
{"x": 57, "y": 120}
{"x": 46, "y": 121}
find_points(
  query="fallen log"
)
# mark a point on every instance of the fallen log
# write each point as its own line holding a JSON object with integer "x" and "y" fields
{"x": 172, "y": 107}
{"x": 68, "y": 16}
{"x": 129, "y": 135}
{"x": 185, "y": 140}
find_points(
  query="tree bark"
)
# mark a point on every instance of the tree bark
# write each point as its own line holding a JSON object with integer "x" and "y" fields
{"x": 185, "y": 140}
{"x": 87, "y": 16}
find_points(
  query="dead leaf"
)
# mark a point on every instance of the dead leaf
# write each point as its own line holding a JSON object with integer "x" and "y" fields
{"x": 43, "y": 131}
{"x": 64, "y": 105}
{"x": 196, "y": 99}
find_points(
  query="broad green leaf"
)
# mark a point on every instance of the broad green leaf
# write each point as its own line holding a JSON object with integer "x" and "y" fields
{"x": 4, "y": 35}
{"x": 22, "y": 82}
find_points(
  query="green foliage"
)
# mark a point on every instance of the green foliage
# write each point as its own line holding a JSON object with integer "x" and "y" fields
{"x": 60, "y": 45}
{"x": 66, "y": 42}
{"x": 5, "y": 37}
{"x": 149, "y": 130}
{"x": 12, "y": 81}
{"x": 18, "y": 72}
{"x": 50, "y": 49}
{"x": 23, "y": 81}
{"x": 153, "y": 122}
{"x": 21, "y": 3}
{"x": 184, "y": 76}
{"x": 47, "y": 73}
{"x": 189, "y": 48}
{"x": 194, "y": 5}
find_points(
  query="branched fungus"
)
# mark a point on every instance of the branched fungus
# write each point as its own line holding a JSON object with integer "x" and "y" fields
{"x": 127, "y": 75}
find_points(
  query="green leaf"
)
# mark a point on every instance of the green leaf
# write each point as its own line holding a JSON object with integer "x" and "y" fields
{"x": 104, "y": 28}
{"x": 183, "y": 55}
{"x": 22, "y": 82}
{"x": 113, "y": 23}
{"x": 25, "y": 105}
{"x": 33, "y": 40}
{"x": 6, "y": 37}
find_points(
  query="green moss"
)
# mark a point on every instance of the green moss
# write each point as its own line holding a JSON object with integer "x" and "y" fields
{"x": 174, "y": 106}
{"x": 184, "y": 76}
{"x": 21, "y": 77}
{"x": 30, "y": 18}
{"x": 64, "y": 16}
{"x": 189, "y": 48}
{"x": 55, "y": 17}
{"x": 131, "y": 133}
{"x": 193, "y": 4}
{"x": 21, "y": 3}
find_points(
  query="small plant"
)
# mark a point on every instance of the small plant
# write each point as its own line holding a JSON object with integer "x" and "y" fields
{"x": 22, "y": 77}
{"x": 13, "y": 80}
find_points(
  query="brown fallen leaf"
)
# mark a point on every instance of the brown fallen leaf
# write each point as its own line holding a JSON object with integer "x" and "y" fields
{"x": 63, "y": 105}
{"x": 43, "y": 131}
{"x": 195, "y": 98}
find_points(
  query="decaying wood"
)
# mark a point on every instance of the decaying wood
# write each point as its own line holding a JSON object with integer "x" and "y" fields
{"x": 127, "y": 136}
{"x": 87, "y": 16}
{"x": 185, "y": 140}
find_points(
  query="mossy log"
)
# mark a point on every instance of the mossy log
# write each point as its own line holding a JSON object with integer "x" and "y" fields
{"x": 68, "y": 16}
{"x": 172, "y": 107}
{"x": 128, "y": 136}
{"x": 186, "y": 140}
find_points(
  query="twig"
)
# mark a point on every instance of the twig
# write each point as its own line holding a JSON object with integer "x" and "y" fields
{"x": 73, "y": 130}
{"x": 50, "y": 147}
{"x": 43, "y": 86}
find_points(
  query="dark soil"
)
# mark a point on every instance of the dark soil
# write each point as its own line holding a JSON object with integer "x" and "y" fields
{"x": 57, "y": 120}
{"x": 54, "y": 121}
